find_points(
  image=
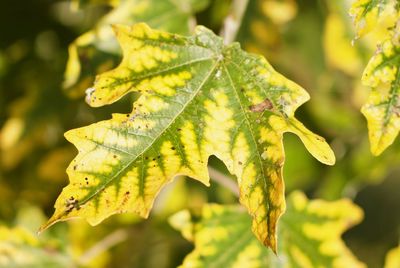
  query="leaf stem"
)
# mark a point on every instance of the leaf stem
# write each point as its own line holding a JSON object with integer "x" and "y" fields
{"x": 223, "y": 180}
{"x": 233, "y": 21}
{"x": 103, "y": 245}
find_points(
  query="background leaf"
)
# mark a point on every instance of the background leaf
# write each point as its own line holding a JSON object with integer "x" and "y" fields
{"x": 393, "y": 258}
{"x": 309, "y": 236}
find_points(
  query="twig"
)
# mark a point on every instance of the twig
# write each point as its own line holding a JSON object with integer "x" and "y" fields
{"x": 233, "y": 21}
{"x": 223, "y": 180}
{"x": 107, "y": 242}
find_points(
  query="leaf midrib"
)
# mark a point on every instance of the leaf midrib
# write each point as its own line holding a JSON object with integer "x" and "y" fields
{"x": 247, "y": 122}
{"x": 87, "y": 199}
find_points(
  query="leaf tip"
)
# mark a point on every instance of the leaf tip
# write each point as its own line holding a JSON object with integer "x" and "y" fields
{"x": 47, "y": 225}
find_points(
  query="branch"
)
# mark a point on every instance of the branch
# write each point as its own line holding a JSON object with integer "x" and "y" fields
{"x": 233, "y": 21}
{"x": 223, "y": 180}
{"x": 103, "y": 245}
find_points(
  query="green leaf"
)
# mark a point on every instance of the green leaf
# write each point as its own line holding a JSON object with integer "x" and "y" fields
{"x": 198, "y": 98}
{"x": 382, "y": 109}
{"x": 392, "y": 259}
{"x": 97, "y": 51}
{"x": 309, "y": 236}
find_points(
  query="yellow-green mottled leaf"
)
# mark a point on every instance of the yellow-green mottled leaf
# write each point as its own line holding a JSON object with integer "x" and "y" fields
{"x": 198, "y": 98}
{"x": 97, "y": 51}
{"x": 367, "y": 14}
{"x": 309, "y": 236}
{"x": 20, "y": 248}
{"x": 382, "y": 109}
{"x": 392, "y": 259}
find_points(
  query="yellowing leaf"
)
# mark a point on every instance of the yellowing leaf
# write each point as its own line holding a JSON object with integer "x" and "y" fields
{"x": 338, "y": 50}
{"x": 96, "y": 51}
{"x": 312, "y": 229}
{"x": 367, "y": 14}
{"x": 279, "y": 11}
{"x": 383, "y": 107}
{"x": 21, "y": 248}
{"x": 198, "y": 98}
{"x": 392, "y": 259}
{"x": 309, "y": 236}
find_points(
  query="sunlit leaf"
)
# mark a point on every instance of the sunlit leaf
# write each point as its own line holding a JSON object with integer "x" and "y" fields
{"x": 97, "y": 51}
{"x": 198, "y": 98}
{"x": 309, "y": 236}
{"x": 392, "y": 259}
{"x": 383, "y": 107}
{"x": 367, "y": 14}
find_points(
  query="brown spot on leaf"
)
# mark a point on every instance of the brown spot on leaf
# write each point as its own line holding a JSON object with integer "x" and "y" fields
{"x": 262, "y": 106}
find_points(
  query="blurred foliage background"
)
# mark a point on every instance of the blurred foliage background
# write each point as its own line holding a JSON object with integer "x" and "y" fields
{"x": 309, "y": 42}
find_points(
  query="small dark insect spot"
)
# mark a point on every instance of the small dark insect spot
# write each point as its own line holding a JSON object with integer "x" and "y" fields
{"x": 127, "y": 192}
{"x": 154, "y": 159}
{"x": 99, "y": 98}
{"x": 154, "y": 165}
{"x": 75, "y": 167}
{"x": 172, "y": 148}
{"x": 114, "y": 156}
{"x": 240, "y": 163}
{"x": 146, "y": 158}
{"x": 179, "y": 129}
{"x": 127, "y": 115}
{"x": 159, "y": 156}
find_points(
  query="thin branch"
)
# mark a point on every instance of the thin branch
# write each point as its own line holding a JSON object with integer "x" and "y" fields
{"x": 223, "y": 180}
{"x": 103, "y": 245}
{"x": 233, "y": 21}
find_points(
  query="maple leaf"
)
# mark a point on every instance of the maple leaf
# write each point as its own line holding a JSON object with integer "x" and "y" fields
{"x": 198, "y": 98}
{"x": 309, "y": 236}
